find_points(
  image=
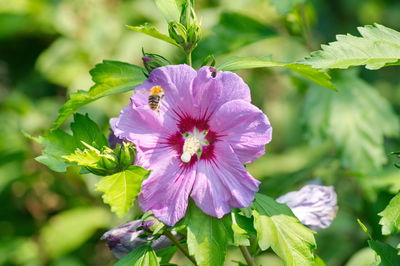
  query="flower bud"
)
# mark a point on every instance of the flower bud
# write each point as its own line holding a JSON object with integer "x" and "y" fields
{"x": 315, "y": 206}
{"x": 127, "y": 154}
{"x": 108, "y": 163}
{"x": 177, "y": 32}
{"x": 113, "y": 140}
{"x": 188, "y": 15}
{"x": 123, "y": 239}
{"x": 153, "y": 61}
{"x": 193, "y": 35}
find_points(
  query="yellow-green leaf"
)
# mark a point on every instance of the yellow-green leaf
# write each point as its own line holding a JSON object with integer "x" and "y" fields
{"x": 390, "y": 220}
{"x": 279, "y": 229}
{"x": 121, "y": 189}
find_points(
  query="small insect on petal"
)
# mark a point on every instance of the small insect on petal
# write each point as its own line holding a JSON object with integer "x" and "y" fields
{"x": 156, "y": 94}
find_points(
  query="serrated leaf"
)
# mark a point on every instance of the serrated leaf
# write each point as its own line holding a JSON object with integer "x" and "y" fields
{"x": 390, "y": 220}
{"x": 387, "y": 253}
{"x": 121, "y": 189}
{"x": 58, "y": 144}
{"x": 317, "y": 76}
{"x": 153, "y": 32}
{"x": 110, "y": 77}
{"x": 356, "y": 118}
{"x": 285, "y": 6}
{"x": 207, "y": 237}
{"x": 69, "y": 229}
{"x": 377, "y": 47}
{"x": 86, "y": 157}
{"x": 94, "y": 159}
{"x": 171, "y": 9}
{"x": 241, "y": 227}
{"x": 141, "y": 256}
{"x": 279, "y": 229}
{"x": 232, "y": 63}
{"x": 86, "y": 130}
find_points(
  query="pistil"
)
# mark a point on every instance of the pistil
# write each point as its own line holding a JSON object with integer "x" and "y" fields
{"x": 193, "y": 144}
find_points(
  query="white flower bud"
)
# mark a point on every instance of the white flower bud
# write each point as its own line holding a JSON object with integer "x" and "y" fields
{"x": 315, "y": 206}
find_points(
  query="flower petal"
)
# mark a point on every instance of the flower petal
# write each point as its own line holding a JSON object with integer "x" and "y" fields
{"x": 165, "y": 192}
{"x": 244, "y": 126}
{"x": 139, "y": 125}
{"x": 176, "y": 81}
{"x": 212, "y": 91}
{"x": 223, "y": 182}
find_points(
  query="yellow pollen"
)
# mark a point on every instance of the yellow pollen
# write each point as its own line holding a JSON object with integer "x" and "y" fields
{"x": 191, "y": 146}
{"x": 156, "y": 90}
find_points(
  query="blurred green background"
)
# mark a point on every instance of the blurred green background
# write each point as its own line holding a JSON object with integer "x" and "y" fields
{"x": 47, "y": 48}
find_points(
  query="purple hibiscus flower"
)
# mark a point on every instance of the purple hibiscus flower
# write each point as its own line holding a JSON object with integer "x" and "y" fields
{"x": 196, "y": 142}
{"x": 315, "y": 206}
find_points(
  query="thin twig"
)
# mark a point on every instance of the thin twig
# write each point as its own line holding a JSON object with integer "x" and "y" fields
{"x": 306, "y": 28}
{"x": 179, "y": 245}
{"x": 247, "y": 256}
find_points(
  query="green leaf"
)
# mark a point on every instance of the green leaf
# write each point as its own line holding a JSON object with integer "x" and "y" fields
{"x": 121, "y": 189}
{"x": 207, "y": 237}
{"x": 319, "y": 262}
{"x": 153, "y": 32}
{"x": 232, "y": 32}
{"x": 390, "y": 220}
{"x": 68, "y": 230}
{"x": 279, "y": 229}
{"x": 141, "y": 256}
{"x": 365, "y": 256}
{"x": 377, "y": 47}
{"x": 240, "y": 235}
{"x": 110, "y": 77}
{"x": 86, "y": 130}
{"x": 315, "y": 75}
{"x": 86, "y": 157}
{"x": 166, "y": 254}
{"x": 387, "y": 253}
{"x": 232, "y": 63}
{"x": 241, "y": 227}
{"x": 356, "y": 118}
{"x": 58, "y": 144}
{"x": 103, "y": 162}
{"x": 171, "y": 9}
{"x": 285, "y": 6}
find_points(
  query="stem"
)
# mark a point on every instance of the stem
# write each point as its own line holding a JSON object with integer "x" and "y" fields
{"x": 179, "y": 245}
{"x": 189, "y": 58}
{"x": 306, "y": 28}
{"x": 247, "y": 256}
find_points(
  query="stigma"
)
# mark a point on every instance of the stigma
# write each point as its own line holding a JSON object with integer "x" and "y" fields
{"x": 194, "y": 142}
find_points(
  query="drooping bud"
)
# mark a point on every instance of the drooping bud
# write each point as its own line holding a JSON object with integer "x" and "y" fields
{"x": 315, "y": 206}
{"x": 153, "y": 61}
{"x": 113, "y": 140}
{"x": 123, "y": 239}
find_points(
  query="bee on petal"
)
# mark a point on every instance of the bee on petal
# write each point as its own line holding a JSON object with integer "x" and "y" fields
{"x": 156, "y": 94}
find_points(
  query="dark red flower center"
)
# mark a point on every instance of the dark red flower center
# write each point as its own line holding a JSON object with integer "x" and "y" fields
{"x": 194, "y": 141}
